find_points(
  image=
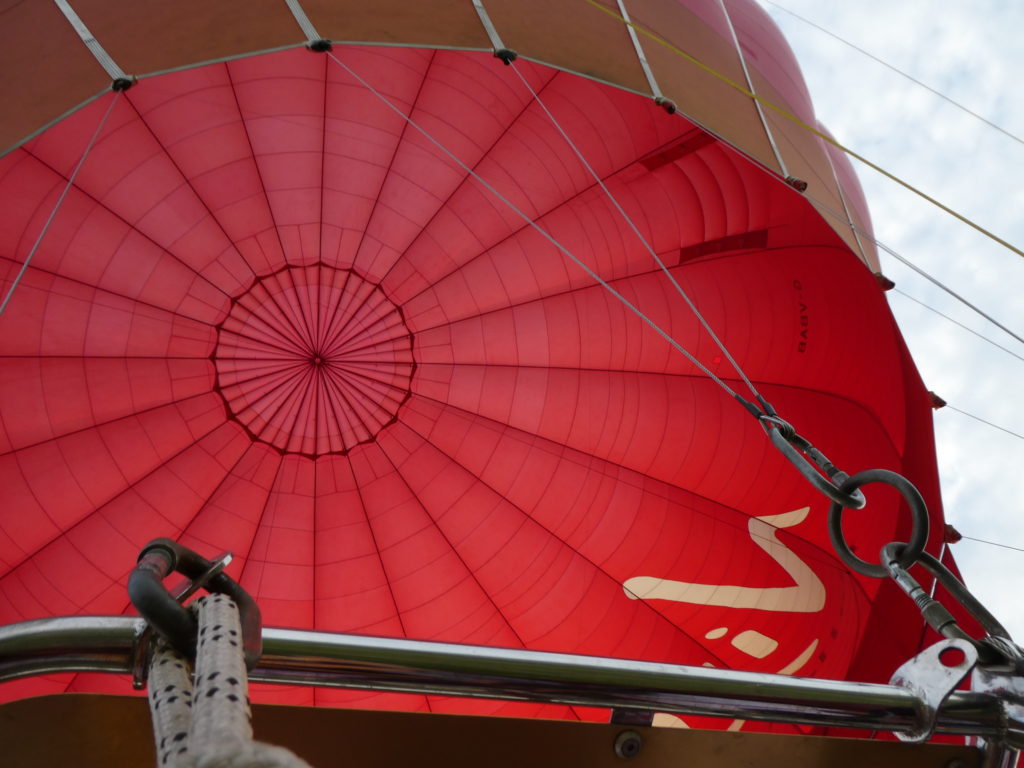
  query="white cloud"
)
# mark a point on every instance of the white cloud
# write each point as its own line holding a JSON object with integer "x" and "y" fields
{"x": 969, "y": 52}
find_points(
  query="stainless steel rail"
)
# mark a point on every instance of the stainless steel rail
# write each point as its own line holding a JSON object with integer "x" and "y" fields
{"x": 108, "y": 644}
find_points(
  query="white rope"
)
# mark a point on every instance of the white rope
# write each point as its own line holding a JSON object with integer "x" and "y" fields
{"x": 206, "y": 723}
{"x": 170, "y": 704}
{"x": 302, "y": 19}
{"x": 489, "y": 28}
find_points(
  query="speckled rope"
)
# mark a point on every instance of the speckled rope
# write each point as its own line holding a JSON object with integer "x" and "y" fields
{"x": 208, "y": 726}
{"x": 170, "y": 704}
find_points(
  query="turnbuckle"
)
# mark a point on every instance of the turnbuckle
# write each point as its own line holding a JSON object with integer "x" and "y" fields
{"x": 996, "y": 648}
{"x": 997, "y": 662}
{"x": 172, "y": 620}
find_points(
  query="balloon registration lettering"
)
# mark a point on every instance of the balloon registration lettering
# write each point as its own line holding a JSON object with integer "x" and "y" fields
{"x": 806, "y": 595}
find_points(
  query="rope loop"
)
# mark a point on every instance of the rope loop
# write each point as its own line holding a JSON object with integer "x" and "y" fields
{"x": 911, "y": 552}
{"x": 201, "y": 715}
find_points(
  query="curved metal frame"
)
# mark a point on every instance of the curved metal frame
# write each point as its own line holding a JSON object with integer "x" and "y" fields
{"x": 109, "y": 644}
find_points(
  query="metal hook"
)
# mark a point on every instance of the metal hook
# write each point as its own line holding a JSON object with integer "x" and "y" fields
{"x": 793, "y": 447}
{"x": 997, "y": 647}
{"x": 169, "y": 617}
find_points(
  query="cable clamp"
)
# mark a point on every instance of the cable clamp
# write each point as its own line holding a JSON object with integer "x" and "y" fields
{"x": 932, "y": 676}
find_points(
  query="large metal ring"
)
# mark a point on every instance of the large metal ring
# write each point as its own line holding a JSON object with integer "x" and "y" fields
{"x": 918, "y": 511}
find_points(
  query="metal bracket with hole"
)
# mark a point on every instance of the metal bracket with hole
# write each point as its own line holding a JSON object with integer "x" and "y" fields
{"x": 1007, "y": 686}
{"x": 931, "y": 676}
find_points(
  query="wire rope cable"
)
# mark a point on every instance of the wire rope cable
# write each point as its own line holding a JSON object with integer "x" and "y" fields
{"x": 962, "y": 325}
{"x": 906, "y": 262}
{"x": 60, "y": 201}
{"x": 785, "y": 113}
{"x": 636, "y": 230}
{"x": 540, "y": 230}
{"x": 898, "y": 71}
{"x": 993, "y": 543}
{"x": 984, "y": 421}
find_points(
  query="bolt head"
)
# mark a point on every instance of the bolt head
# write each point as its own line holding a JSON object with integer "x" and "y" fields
{"x": 628, "y": 745}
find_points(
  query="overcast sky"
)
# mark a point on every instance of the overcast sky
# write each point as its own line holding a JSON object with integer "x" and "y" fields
{"x": 970, "y": 52}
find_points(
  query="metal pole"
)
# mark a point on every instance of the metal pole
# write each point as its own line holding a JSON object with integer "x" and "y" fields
{"x": 108, "y": 644}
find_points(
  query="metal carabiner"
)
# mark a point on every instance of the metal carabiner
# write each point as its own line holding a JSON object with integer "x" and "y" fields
{"x": 793, "y": 447}
{"x": 171, "y": 619}
{"x": 997, "y": 647}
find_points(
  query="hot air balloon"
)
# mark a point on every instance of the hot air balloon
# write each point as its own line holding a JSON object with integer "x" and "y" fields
{"x": 445, "y": 345}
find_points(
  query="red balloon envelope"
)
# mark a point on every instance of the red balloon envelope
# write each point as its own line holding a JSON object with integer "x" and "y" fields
{"x": 278, "y": 314}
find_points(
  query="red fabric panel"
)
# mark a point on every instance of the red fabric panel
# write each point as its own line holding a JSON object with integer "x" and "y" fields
{"x": 272, "y": 317}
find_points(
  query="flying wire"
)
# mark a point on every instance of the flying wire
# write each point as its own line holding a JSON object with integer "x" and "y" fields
{"x": 983, "y": 421}
{"x": 785, "y": 113}
{"x": 993, "y": 543}
{"x": 906, "y": 262}
{"x": 636, "y": 231}
{"x": 57, "y": 205}
{"x": 540, "y": 230}
{"x": 962, "y": 325}
{"x": 898, "y": 71}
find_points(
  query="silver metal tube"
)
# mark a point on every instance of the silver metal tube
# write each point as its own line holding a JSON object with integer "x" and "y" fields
{"x": 68, "y": 644}
{"x": 107, "y": 644}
